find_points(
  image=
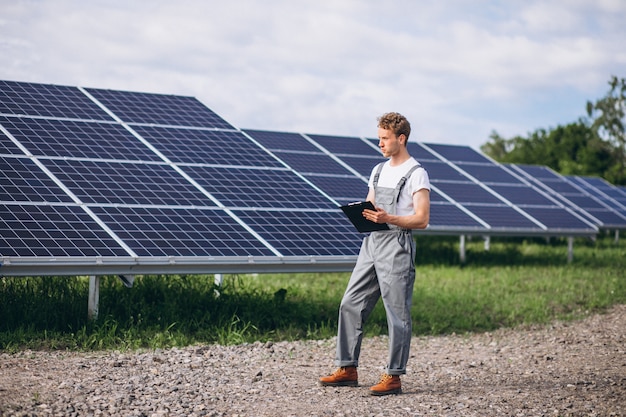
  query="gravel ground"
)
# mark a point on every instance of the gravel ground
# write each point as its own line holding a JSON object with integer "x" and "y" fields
{"x": 565, "y": 369}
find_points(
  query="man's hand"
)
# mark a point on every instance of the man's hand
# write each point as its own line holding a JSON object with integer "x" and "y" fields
{"x": 377, "y": 216}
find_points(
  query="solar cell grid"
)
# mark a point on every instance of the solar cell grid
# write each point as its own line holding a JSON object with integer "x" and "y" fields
{"x": 154, "y": 231}
{"x": 555, "y": 218}
{"x": 345, "y": 145}
{"x": 161, "y": 109}
{"x": 7, "y": 147}
{"x": 22, "y": 180}
{"x": 76, "y": 139}
{"x": 46, "y": 230}
{"x": 418, "y": 152}
{"x": 363, "y": 164}
{"x": 503, "y": 217}
{"x": 105, "y": 182}
{"x": 448, "y": 216}
{"x": 342, "y": 189}
{"x": 458, "y": 153}
{"x": 441, "y": 171}
{"x": 45, "y": 100}
{"x": 282, "y": 141}
{"x": 522, "y": 195}
{"x": 468, "y": 193}
{"x": 489, "y": 173}
{"x": 243, "y": 187}
{"x": 305, "y": 233}
{"x": 207, "y": 147}
{"x": 307, "y": 163}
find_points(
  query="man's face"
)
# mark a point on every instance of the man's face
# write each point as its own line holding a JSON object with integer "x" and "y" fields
{"x": 388, "y": 142}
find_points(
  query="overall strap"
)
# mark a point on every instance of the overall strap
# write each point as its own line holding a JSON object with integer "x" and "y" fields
{"x": 377, "y": 175}
{"x": 403, "y": 181}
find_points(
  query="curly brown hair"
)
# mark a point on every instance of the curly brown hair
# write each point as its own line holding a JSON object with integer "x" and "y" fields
{"x": 395, "y": 122}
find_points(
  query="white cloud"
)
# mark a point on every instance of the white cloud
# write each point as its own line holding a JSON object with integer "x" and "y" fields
{"x": 457, "y": 69}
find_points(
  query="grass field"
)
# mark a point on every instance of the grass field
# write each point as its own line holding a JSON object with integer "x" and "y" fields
{"x": 518, "y": 282}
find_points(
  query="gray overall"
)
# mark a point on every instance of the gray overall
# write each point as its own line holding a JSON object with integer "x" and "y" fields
{"x": 385, "y": 267}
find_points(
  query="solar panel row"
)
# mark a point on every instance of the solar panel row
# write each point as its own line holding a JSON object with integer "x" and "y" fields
{"x": 90, "y": 172}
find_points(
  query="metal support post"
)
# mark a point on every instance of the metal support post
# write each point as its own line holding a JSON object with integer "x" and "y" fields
{"x": 94, "y": 297}
{"x": 570, "y": 249}
{"x": 462, "y": 249}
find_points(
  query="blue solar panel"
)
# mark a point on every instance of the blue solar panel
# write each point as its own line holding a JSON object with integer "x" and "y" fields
{"x": 363, "y": 164}
{"x": 441, "y": 171}
{"x": 7, "y": 147}
{"x": 418, "y": 152}
{"x": 18, "y": 98}
{"x": 50, "y": 231}
{"x": 345, "y": 145}
{"x": 282, "y": 141}
{"x": 445, "y": 216}
{"x": 554, "y": 218}
{"x": 198, "y": 146}
{"x": 503, "y": 217}
{"x": 161, "y": 109}
{"x": 468, "y": 193}
{"x": 154, "y": 231}
{"x": 571, "y": 195}
{"x": 247, "y": 187}
{"x": 522, "y": 195}
{"x": 68, "y": 138}
{"x": 22, "y": 180}
{"x": 342, "y": 189}
{"x": 305, "y": 233}
{"x": 104, "y": 182}
{"x": 489, "y": 174}
{"x": 312, "y": 163}
{"x": 457, "y": 153}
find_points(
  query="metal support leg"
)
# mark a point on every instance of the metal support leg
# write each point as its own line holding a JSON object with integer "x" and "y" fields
{"x": 570, "y": 249}
{"x": 487, "y": 243}
{"x": 94, "y": 297}
{"x": 462, "y": 249}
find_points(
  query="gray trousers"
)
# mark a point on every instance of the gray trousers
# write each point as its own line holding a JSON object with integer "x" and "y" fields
{"x": 385, "y": 268}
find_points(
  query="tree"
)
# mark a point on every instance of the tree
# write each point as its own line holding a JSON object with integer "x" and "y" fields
{"x": 607, "y": 122}
{"x": 593, "y": 146}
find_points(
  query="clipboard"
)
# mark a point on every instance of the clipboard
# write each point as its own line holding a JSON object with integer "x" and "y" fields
{"x": 354, "y": 212}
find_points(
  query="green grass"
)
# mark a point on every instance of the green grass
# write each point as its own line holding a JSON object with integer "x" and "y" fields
{"x": 518, "y": 282}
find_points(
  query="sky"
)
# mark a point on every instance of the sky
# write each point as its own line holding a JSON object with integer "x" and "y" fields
{"x": 457, "y": 69}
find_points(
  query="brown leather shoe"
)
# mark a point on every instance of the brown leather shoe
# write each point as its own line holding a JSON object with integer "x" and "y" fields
{"x": 389, "y": 384}
{"x": 342, "y": 377}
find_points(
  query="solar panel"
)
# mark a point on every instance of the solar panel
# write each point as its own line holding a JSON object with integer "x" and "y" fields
{"x": 571, "y": 195}
{"x": 51, "y": 231}
{"x": 160, "y": 109}
{"x": 181, "y": 145}
{"x": 311, "y": 163}
{"x": 345, "y": 145}
{"x": 344, "y": 190}
{"x": 105, "y": 182}
{"x": 283, "y": 141}
{"x": 21, "y": 179}
{"x": 156, "y": 231}
{"x": 305, "y": 233}
{"x": 44, "y": 100}
{"x": 258, "y": 188}
{"x": 458, "y": 153}
{"x": 77, "y": 139}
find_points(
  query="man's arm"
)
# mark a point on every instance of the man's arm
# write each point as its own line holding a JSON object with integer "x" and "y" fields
{"x": 419, "y": 220}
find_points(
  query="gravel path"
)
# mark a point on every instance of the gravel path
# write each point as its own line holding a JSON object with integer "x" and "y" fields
{"x": 565, "y": 369}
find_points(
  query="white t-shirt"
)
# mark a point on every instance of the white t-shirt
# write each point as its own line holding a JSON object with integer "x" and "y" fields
{"x": 390, "y": 176}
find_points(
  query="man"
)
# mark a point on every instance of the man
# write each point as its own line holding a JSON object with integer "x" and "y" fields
{"x": 400, "y": 191}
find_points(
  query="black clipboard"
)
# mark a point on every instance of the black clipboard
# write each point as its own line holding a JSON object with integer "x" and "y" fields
{"x": 354, "y": 212}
